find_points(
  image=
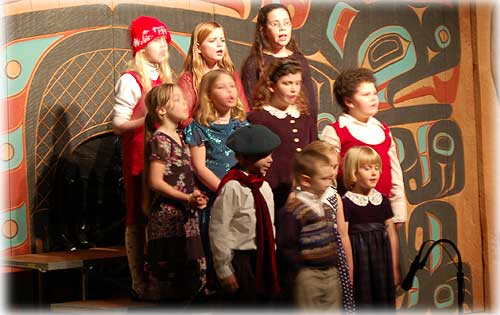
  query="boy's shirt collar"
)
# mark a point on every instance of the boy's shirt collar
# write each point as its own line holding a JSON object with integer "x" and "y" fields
{"x": 312, "y": 201}
{"x": 346, "y": 119}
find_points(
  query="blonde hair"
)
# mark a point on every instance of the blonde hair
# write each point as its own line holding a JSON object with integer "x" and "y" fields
{"x": 325, "y": 148}
{"x": 137, "y": 64}
{"x": 307, "y": 163}
{"x": 278, "y": 68}
{"x": 355, "y": 158}
{"x": 194, "y": 61}
{"x": 157, "y": 97}
{"x": 206, "y": 112}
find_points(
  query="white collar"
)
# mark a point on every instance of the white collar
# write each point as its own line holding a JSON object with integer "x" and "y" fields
{"x": 311, "y": 200}
{"x": 152, "y": 70}
{"x": 362, "y": 200}
{"x": 281, "y": 114}
{"x": 346, "y": 119}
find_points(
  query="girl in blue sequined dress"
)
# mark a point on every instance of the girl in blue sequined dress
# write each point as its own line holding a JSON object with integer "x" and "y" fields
{"x": 220, "y": 112}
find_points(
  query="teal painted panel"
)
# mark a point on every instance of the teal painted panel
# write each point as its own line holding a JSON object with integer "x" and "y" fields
{"x": 26, "y": 54}
{"x": 13, "y": 139}
{"x": 183, "y": 42}
{"x": 18, "y": 220}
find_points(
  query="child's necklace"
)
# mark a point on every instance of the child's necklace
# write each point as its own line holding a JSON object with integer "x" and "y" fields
{"x": 222, "y": 120}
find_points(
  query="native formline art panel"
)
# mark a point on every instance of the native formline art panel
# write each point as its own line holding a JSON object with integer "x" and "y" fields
{"x": 60, "y": 79}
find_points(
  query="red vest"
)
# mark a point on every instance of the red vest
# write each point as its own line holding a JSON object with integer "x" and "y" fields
{"x": 133, "y": 140}
{"x": 348, "y": 141}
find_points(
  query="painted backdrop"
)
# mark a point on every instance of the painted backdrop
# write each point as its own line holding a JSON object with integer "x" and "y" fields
{"x": 62, "y": 60}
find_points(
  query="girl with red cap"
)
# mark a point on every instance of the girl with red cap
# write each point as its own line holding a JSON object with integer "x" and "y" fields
{"x": 148, "y": 68}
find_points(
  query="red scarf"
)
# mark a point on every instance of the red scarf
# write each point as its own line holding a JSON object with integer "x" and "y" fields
{"x": 266, "y": 273}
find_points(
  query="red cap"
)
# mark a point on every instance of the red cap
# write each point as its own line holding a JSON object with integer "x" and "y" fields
{"x": 144, "y": 29}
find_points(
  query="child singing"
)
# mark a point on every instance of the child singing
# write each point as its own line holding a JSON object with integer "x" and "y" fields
{"x": 280, "y": 105}
{"x": 274, "y": 40}
{"x": 374, "y": 240}
{"x": 148, "y": 67}
{"x": 332, "y": 200}
{"x": 219, "y": 114}
{"x": 356, "y": 92}
{"x": 309, "y": 233}
{"x": 171, "y": 201}
{"x": 207, "y": 51}
{"x": 241, "y": 227}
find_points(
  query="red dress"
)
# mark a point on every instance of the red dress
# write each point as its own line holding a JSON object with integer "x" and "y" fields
{"x": 347, "y": 141}
{"x": 133, "y": 161}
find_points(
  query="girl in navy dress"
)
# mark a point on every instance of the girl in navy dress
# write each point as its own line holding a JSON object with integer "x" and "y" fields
{"x": 280, "y": 105}
{"x": 374, "y": 240}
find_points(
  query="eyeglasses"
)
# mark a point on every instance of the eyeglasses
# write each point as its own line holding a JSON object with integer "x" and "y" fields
{"x": 276, "y": 24}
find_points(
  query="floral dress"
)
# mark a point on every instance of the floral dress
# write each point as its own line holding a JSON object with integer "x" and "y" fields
{"x": 177, "y": 262}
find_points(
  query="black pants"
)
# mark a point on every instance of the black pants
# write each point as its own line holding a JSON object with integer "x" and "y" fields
{"x": 244, "y": 270}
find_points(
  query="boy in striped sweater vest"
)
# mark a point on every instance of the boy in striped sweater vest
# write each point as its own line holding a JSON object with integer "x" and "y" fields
{"x": 308, "y": 238}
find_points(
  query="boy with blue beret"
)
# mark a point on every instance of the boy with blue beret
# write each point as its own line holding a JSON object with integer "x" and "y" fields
{"x": 241, "y": 228}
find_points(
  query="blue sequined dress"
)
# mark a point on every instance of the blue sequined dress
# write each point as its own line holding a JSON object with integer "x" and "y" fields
{"x": 219, "y": 158}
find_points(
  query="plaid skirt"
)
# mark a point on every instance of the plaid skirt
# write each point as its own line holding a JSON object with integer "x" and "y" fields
{"x": 373, "y": 278}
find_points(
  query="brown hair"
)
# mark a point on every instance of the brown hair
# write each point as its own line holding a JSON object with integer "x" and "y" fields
{"x": 205, "y": 113}
{"x": 348, "y": 82}
{"x": 260, "y": 43}
{"x": 277, "y": 69}
{"x": 355, "y": 158}
{"x": 159, "y": 96}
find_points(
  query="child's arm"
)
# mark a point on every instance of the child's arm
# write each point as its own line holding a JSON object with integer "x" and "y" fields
{"x": 343, "y": 228}
{"x": 287, "y": 239}
{"x": 398, "y": 197}
{"x": 393, "y": 239}
{"x": 185, "y": 83}
{"x": 308, "y": 84}
{"x": 222, "y": 212}
{"x": 127, "y": 94}
{"x": 158, "y": 184}
{"x": 204, "y": 174}
{"x": 313, "y": 129}
{"x": 241, "y": 90}
{"x": 330, "y": 135}
{"x": 249, "y": 77}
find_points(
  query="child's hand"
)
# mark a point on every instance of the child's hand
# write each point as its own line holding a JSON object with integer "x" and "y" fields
{"x": 230, "y": 284}
{"x": 198, "y": 200}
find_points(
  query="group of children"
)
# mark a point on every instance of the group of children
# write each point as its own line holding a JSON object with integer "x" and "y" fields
{"x": 229, "y": 187}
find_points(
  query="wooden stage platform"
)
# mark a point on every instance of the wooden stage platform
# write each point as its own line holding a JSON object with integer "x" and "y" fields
{"x": 82, "y": 259}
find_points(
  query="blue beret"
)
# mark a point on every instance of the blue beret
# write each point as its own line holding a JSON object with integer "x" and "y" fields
{"x": 253, "y": 140}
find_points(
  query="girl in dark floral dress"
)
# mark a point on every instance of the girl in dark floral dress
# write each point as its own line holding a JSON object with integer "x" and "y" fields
{"x": 176, "y": 258}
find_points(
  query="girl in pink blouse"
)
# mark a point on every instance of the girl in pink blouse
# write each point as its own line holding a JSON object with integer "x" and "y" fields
{"x": 207, "y": 51}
